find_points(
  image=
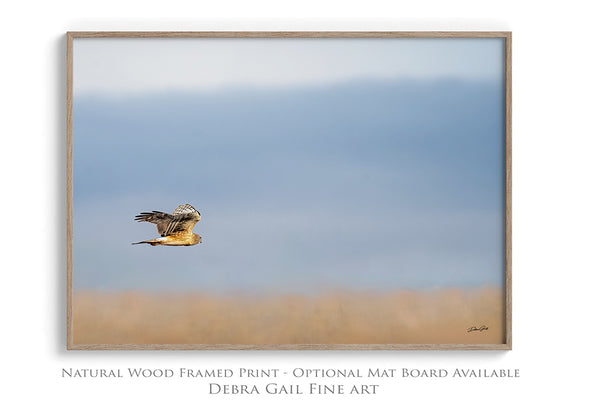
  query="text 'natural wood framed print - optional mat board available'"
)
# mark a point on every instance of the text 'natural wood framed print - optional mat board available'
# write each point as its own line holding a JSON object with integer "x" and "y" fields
{"x": 289, "y": 190}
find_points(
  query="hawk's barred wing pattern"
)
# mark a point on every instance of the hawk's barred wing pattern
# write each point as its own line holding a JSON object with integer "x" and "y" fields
{"x": 184, "y": 219}
{"x": 186, "y": 208}
{"x": 159, "y": 218}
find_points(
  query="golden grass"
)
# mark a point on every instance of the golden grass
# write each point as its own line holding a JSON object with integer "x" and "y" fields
{"x": 406, "y": 317}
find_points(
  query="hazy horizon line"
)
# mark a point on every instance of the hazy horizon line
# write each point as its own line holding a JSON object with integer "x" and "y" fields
{"x": 262, "y": 293}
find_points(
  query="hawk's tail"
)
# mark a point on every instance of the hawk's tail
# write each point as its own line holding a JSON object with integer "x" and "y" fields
{"x": 150, "y": 242}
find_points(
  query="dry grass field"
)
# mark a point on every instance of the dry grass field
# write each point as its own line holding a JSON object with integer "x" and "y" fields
{"x": 406, "y": 317}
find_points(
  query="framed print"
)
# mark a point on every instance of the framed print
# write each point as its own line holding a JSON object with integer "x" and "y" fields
{"x": 289, "y": 190}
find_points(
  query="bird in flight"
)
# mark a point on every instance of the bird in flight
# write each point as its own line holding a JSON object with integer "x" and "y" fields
{"x": 176, "y": 229}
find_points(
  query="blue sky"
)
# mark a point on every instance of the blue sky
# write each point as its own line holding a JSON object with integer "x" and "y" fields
{"x": 316, "y": 164}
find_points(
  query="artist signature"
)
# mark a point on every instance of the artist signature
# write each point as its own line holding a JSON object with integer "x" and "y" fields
{"x": 480, "y": 329}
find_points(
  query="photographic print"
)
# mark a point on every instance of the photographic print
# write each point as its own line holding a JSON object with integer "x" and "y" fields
{"x": 289, "y": 190}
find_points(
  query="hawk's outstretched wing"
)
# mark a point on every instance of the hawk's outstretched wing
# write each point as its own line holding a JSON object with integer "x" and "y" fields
{"x": 184, "y": 219}
{"x": 159, "y": 218}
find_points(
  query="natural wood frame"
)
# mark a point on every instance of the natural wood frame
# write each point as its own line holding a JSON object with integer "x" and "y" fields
{"x": 507, "y": 36}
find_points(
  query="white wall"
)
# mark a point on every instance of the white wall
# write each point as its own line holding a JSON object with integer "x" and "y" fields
{"x": 556, "y": 217}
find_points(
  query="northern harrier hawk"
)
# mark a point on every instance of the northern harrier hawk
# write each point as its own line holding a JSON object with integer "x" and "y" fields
{"x": 176, "y": 229}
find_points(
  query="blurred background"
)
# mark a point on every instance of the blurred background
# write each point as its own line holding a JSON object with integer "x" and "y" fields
{"x": 317, "y": 164}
